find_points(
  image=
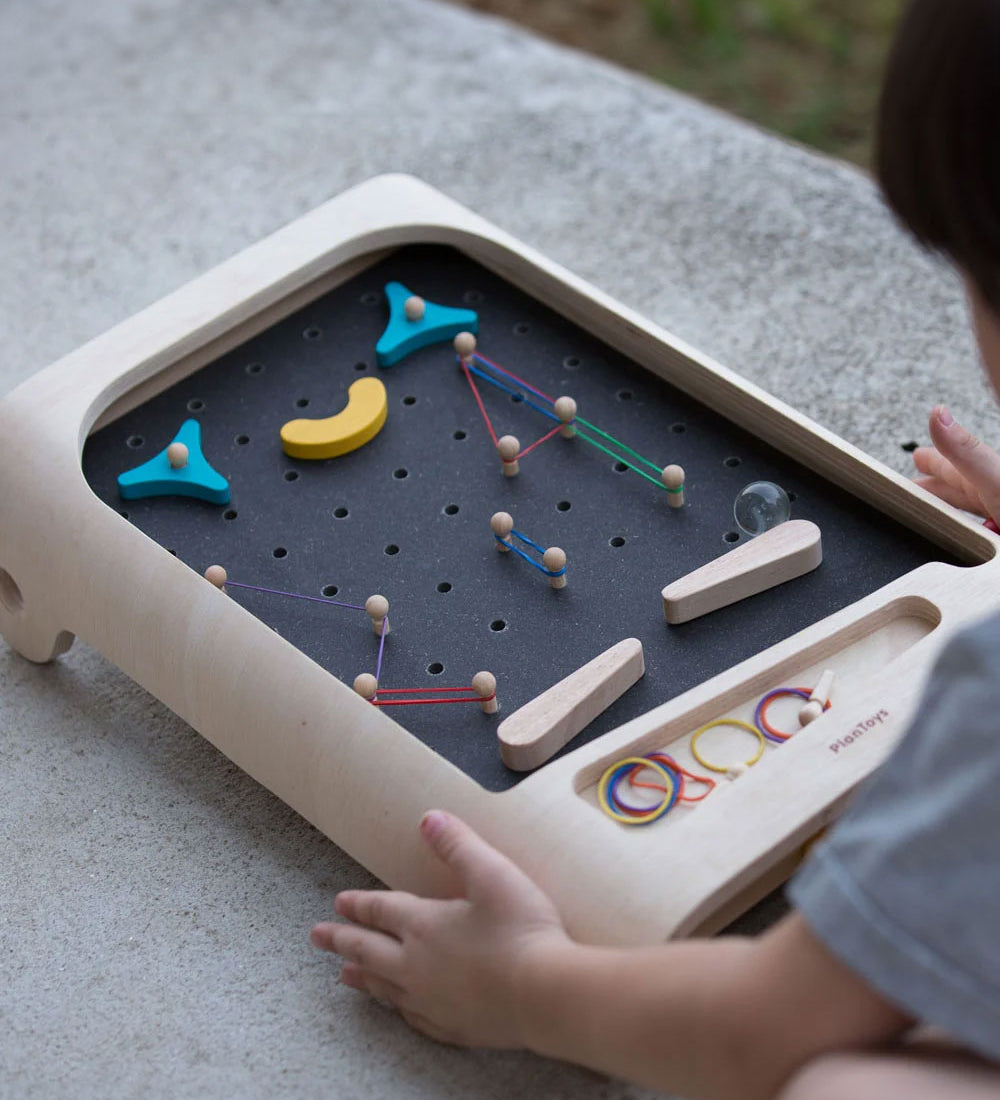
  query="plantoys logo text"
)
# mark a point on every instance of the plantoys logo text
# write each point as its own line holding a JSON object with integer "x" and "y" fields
{"x": 859, "y": 730}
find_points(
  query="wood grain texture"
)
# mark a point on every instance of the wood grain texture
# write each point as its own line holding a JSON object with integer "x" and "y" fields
{"x": 781, "y": 554}
{"x": 71, "y": 565}
{"x": 538, "y": 730}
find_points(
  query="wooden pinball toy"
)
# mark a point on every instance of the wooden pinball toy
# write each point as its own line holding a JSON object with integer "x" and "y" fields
{"x": 399, "y": 514}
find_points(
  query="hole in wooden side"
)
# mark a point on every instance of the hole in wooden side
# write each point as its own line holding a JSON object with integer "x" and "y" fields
{"x": 10, "y": 594}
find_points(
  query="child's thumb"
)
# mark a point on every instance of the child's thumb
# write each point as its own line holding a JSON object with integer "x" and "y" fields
{"x": 475, "y": 864}
{"x": 979, "y": 464}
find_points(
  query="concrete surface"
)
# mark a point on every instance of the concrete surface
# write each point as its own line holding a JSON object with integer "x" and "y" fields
{"x": 155, "y": 902}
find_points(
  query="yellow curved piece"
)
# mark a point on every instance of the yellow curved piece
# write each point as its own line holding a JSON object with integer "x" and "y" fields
{"x": 360, "y": 420}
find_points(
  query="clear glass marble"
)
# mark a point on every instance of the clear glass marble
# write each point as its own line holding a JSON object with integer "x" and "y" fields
{"x": 760, "y": 506}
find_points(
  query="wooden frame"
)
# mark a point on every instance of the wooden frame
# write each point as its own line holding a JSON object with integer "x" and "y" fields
{"x": 70, "y": 565}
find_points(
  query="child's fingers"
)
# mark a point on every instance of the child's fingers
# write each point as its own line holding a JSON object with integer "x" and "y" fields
{"x": 372, "y": 951}
{"x": 421, "y": 1023}
{"x": 944, "y": 480}
{"x": 930, "y": 461}
{"x": 366, "y": 982}
{"x": 957, "y": 498}
{"x": 386, "y": 910}
{"x": 923, "y": 457}
{"x": 351, "y": 974}
{"x": 480, "y": 868}
{"x": 979, "y": 464}
{"x": 321, "y": 936}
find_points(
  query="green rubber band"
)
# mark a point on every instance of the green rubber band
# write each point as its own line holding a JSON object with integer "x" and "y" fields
{"x": 617, "y": 442}
{"x": 642, "y": 473}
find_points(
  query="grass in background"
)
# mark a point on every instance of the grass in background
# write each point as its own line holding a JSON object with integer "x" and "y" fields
{"x": 809, "y": 69}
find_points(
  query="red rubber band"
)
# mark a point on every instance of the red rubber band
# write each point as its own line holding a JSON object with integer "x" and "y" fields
{"x": 479, "y": 402}
{"x": 768, "y": 728}
{"x": 426, "y": 702}
{"x": 519, "y": 381}
{"x": 539, "y": 442}
{"x": 682, "y": 773}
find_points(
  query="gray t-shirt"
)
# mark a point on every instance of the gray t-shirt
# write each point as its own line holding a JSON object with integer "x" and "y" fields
{"x": 905, "y": 890}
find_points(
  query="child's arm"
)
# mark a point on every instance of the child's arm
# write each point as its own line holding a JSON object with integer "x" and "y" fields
{"x": 959, "y": 469}
{"x": 494, "y": 967}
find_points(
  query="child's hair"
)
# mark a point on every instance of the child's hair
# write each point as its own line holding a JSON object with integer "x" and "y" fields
{"x": 938, "y": 155}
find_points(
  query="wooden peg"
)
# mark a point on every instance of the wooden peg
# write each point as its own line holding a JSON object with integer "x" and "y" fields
{"x": 565, "y": 409}
{"x": 673, "y": 478}
{"x": 465, "y": 346}
{"x": 509, "y": 447}
{"x": 501, "y": 524}
{"x": 820, "y": 696}
{"x": 484, "y": 684}
{"x": 554, "y": 559}
{"x": 539, "y": 729}
{"x": 216, "y": 575}
{"x": 366, "y": 685}
{"x": 177, "y": 455}
{"x": 378, "y": 608}
{"x": 786, "y": 551}
{"x": 414, "y": 308}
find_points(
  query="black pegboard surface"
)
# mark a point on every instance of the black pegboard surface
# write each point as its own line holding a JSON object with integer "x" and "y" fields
{"x": 408, "y": 514}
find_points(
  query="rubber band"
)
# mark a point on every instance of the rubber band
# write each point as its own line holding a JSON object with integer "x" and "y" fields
{"x": 429, "y": 691}
{"x": 519, "y": 381}
{"x": 521, "y": 554}
{"x": 642, "y": 813}
{"x": 293, "y": 595}
{"x": 479, "y": 402}
{"x": 616, "y": 772}
{"x": 739, "y": 724}
{"x": 669, "y": 761}
{"x": 760, "y": 715}
{"x": 538, "y": 442}
{"x": 513, "y": 393}
{"x": 377, "y": 702}
{"x": 600, "y": 446}
{"x": 528, "y": 542}
{"x": 577, "y": 421}
{"x": 619, "y": 803}
{"x": 383, "y": 633}
{"x": 425, "y": 702}
{"x": 617, "y": 442}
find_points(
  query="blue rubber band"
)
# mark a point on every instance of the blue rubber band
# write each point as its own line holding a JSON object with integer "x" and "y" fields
{"x": 524, "y": 538}
{"x": 488, "y": 365}
{"x": 520, "y": 553}
{"x": 530, "y": 560}
{"x": 623, "y": 807}
{"x": 514, "y": 393}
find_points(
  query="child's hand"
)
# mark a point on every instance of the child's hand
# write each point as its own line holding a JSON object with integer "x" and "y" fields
{"x": 959, "y": 469}
{"x": 454, "y": 969}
